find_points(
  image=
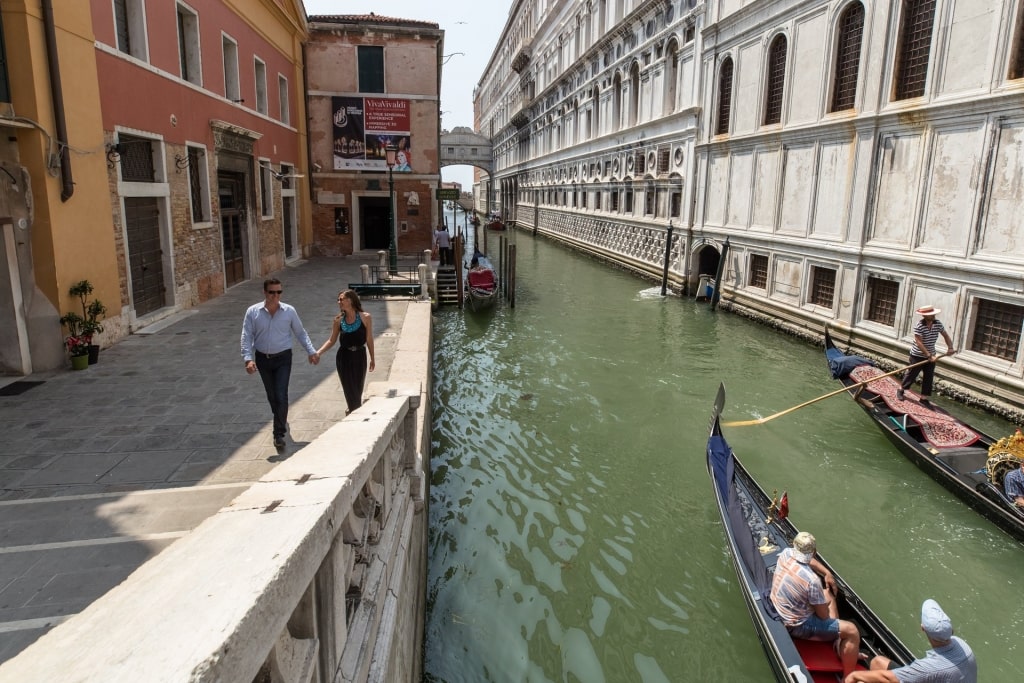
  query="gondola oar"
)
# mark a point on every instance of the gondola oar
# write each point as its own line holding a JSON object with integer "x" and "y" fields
{"x": 762, "y": 420}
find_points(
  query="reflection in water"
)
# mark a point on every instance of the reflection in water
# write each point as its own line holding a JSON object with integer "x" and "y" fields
{"x": 573, "y": 535}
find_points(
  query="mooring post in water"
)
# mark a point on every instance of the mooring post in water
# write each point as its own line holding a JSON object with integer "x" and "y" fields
{"x": 719, "y": 273}
{"x": 668, "y": 255}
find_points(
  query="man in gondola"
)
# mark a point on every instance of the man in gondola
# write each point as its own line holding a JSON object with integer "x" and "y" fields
{"x": 1013, "y": 484}
{"x": 950, "y": 660}
{"x": 807, "y": 608}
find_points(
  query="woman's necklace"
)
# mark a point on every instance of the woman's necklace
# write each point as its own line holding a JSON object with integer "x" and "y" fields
{"x": 350, "y": 326}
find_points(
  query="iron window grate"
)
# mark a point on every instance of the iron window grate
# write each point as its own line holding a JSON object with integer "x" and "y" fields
{"x": 1017, "y": 68}
{"x": 919, "y": 16}
{"x": 724, "y": 97}
{"x": 195, "y": 185}
{"x": 663, "y": 156}
{"x": 776, "y": 80}
{"x": 758, "y": 271}
{"x": 136, "y": 159}
{"x": 851, "y": 34}
{"x": 882, "y": 298}
{"x": 997, "y": 329}
{"x": 823, "y": 286}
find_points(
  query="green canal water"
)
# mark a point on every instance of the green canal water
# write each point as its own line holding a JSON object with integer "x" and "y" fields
{"x": 573, "y": 530}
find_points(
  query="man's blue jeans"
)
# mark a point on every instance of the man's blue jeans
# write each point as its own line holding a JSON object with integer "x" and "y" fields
{"x": 276, "y": 371}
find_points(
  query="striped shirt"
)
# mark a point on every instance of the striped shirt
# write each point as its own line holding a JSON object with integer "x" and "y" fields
{"x": 929, "y": 335}
{"x": 796, "y": 589}
{"x": 268, "y": 333}
{"x": 953, "y": 663}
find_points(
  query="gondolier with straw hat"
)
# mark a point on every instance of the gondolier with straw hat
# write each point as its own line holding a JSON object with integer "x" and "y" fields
{"x": 922, "y": 353}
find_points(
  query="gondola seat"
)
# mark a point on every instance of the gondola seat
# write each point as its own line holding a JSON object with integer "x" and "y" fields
{"x": 481, "y": 279}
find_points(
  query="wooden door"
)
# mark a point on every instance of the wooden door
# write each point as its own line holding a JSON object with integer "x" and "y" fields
{"x": 145, "y": 254}
{"x": 231, "y": 191}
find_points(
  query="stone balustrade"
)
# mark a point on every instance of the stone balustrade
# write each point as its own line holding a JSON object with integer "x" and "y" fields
{"x": 315, "y": 574}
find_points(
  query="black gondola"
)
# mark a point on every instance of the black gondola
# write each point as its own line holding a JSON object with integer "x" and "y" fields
{"x": 757, "y": 533}
{"x": 955, "y": 454}
{"x": 481, "y": 284}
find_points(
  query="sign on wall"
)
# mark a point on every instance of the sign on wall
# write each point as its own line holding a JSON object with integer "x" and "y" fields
{"x": 364, "y": 126}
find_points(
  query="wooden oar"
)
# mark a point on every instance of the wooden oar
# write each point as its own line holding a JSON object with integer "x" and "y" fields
{"x": 762, "y": 420}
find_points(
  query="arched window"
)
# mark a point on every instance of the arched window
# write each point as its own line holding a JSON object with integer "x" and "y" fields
{"x": 634, "y": 95}
{"x": 596, "y": 105}
{"x": 724, "y": 96}
{"x": 776, "y": 80}
{"x": 616, "y": 103}
{"x": 915, "y": 48}
{"x": 671, "y": 74}
{"x": 1017, "y": 48}
{"x": 851, "y": 33}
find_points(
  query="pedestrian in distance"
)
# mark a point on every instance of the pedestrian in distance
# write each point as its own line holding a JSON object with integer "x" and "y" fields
{"x": 354, "y": 327}
{"x": 443, "y": 243}
{"x": 950, "y": 660}
{"x": 807, "y": 608}
{"x": 267, "y": 331}
{"x": 926, "y": 333}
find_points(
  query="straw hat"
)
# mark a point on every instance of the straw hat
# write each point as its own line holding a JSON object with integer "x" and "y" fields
{"x": 929, "y": 310}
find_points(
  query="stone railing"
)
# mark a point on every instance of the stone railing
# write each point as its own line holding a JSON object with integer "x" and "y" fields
{"x": 315, "y": 574}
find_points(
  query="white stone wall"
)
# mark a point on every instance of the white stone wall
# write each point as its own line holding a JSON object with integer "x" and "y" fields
{"x": 923, "y": 192}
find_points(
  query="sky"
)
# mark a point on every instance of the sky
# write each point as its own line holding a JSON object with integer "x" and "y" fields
{"x": 471, "y": 27}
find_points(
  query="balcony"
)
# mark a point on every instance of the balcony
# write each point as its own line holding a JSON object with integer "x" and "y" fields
{"x": 522, "y": 58}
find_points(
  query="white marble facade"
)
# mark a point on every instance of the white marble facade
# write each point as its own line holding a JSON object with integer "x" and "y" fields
{"x": 863, "y": 158}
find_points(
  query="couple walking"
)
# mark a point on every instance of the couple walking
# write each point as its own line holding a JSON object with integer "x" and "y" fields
{"x": 267, "y": 331}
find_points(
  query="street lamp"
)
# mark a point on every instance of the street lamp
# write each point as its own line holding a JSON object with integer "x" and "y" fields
{"x": 390, "y": 158}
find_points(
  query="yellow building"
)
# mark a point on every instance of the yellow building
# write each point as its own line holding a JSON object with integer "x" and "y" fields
{"x": 162, "y": 200}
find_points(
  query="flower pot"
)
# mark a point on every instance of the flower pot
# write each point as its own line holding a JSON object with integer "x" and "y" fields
{"x": 94, "y": 354}
{"x": 79, "y": 362}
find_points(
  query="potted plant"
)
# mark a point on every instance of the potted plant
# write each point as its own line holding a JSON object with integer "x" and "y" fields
{"x": 76, "y": 342}
{"x": 81, "y": 328}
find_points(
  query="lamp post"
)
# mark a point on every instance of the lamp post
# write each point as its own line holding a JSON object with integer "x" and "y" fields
{"x": 390, "y": 158}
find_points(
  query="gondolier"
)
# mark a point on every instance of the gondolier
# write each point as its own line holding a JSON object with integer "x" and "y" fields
{"x": 961, "y": 457}
{"x": 926, "y": 333}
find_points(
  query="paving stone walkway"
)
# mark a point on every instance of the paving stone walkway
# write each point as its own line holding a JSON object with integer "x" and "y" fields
{"x": 101, "y": 469}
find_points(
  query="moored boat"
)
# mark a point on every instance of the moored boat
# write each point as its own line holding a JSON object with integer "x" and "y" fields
{"x": 481, "y": 284}
{"x": 494, "y": 222}
{"x": 758, "y": 530}
{"x": 962, "y": 458}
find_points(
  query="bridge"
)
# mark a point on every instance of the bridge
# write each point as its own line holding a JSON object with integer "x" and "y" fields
{"x": 463, "y": 147}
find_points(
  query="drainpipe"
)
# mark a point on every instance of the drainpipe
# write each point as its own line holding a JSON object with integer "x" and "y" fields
{"x": 57, "y": 95}
{"x": 309, "y": 138}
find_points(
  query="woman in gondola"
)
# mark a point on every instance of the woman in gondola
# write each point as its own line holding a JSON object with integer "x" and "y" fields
{"x": 354, "y": 327}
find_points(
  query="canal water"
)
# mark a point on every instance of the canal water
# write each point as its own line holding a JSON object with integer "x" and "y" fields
{"x": 574, "y": 535}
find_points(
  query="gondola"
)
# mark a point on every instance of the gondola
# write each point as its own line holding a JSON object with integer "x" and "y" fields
{"x": 481, "y": 285}
{"x": 494, "y": 222}
{"x": 757, "y": 531}
{"x": 962, "y": 458}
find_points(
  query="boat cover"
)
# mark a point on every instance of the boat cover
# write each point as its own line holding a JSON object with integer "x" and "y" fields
{"x": 723, "y": 467}
{"x": 481, "y": 279}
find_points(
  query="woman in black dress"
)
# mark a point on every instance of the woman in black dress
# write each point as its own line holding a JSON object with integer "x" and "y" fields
{"x": 355, "y": 328}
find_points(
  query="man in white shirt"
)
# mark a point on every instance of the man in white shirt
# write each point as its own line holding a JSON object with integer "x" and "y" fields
{"x": 267, "y": 331}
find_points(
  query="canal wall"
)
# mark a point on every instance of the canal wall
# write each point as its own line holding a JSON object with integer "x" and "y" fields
{"x": 316, "y": 573}
{"x": 639, "y": 247}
